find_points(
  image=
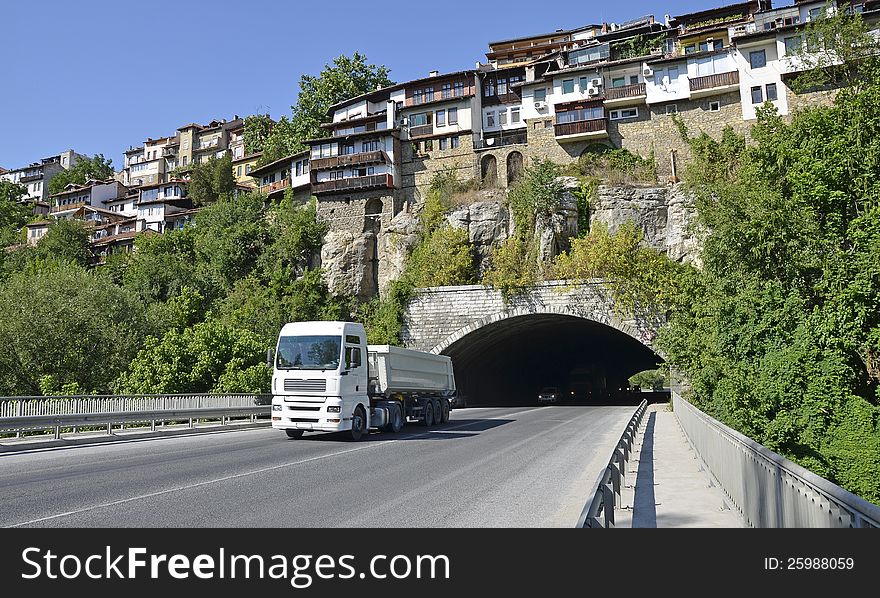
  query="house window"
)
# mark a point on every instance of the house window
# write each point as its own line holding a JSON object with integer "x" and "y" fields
{"x": 371, "y": 170}
{"x": 771, "y": 92}
{"x": 793, "y": 44}
{"x": 429, "y": 94}
{"x": 502, "y": 117}
{"x": 673, "y": 74}
{"x": 441, "y": 118}
{"x": 758, "y": 59}
{"x": 417, "y": 97}
{"x": 247, "y": 168}
{"x": 541, "y": 95}
{"x": 453, "y": 116}
{"x": 443, "y": 143}
{"x": 514, "y": 115}
{"x": 415, "y": 147}
{"x": 633, "y": 79}
{"x": 714, "y": 106}
{"x": 446, "y": 91}
{"x": 502, "y": 87}
{"x": 347, "y": 150}
{"x": 711, "y": 44}
{"x": 690, "y": 49}
{"x": 429, "y": 145}
{"x": 624, "y": 113}
{"x": 548, "y": 124}
{"x": 454, "y": 142}
{"x": 458, "y": 89}
{"x": 672, "y": 109}
{"x": 185, "y": 159}
{"x": 490, "y": 119}
{"x": 489, "y": 90}
{"x": 584, "y": 83}
{"x": 568, "y": 86}
{"x": 420, "y": 119}
{"x": 814, "y": 13}
{"x": 757, "y": 95}
{"x": 618, "y": 82}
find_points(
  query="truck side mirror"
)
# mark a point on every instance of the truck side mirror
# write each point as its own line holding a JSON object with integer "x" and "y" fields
{"x": 270, "y": 358}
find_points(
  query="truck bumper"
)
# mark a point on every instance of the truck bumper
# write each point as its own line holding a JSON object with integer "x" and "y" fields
{"x": 316, "y": 417}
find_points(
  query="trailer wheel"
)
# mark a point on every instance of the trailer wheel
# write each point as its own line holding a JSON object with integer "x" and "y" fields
{"x": 295, "y": 434}
{"x": 444, "y": 411}
{"x": 396, "y": 417}
{"x": 358, "y": 423}
{"x": 429, "y": 414}
{"x": 438, "y": 412}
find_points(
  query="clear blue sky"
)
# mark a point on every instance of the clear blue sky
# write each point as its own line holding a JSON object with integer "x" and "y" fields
{"x": 98, "y": 76}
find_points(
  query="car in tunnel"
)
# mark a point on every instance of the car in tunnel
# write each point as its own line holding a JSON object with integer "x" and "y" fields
{"x": 548, "y": 394}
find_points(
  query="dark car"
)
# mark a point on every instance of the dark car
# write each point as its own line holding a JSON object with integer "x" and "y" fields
{"x": 548, "y": 394}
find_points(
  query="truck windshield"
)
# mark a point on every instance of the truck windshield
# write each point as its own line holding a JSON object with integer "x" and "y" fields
{"x": 308, "y": 352}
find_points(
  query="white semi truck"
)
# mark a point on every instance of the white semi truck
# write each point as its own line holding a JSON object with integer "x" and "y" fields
{"x": 326, "y": 379}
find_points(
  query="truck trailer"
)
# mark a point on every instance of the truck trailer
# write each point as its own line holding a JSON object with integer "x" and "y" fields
{"x": 327, "y": 379}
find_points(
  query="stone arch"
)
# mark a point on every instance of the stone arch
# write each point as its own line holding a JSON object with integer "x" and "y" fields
{"x": 514, "y": 167}
{"x": 373, "y": 215}
{"x": 489, "y": 170}
{"x": 600, "y": 317}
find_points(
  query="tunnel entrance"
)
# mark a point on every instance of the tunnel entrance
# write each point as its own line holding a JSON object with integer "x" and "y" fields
{"x": 508, "y": 362}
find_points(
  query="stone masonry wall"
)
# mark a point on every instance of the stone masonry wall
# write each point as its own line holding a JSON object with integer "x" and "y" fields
{"x": 437, "y": 316}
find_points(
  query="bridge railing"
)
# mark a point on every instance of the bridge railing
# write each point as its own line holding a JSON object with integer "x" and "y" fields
{"x": 599, "y": 510}
{"x": 21, "y": 414}
{"x": 767, "y": 489}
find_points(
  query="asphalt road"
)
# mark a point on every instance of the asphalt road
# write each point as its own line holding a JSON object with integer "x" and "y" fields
{"x": 488, "y": 467}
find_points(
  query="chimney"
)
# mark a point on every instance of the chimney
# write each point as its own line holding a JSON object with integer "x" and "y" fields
{"x": 433, "y": 73}
{"x": 667, "y": 18}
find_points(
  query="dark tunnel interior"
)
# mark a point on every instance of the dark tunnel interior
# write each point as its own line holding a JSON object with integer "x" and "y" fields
{"x": 507, "y": 363}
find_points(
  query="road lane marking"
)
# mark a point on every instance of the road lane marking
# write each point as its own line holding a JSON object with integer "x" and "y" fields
{"x": 245, "y": 474}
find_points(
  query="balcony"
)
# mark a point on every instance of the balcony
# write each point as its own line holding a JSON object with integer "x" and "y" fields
{"x": 30, "y": 176}
{"x": 421, "y": 131}
{"x": 714, "y": 84}
{"x": 496, "y": 140}
{"x": 596, "y": 128}
{"x": 626, "y": 95}
{"x": 376, "y": 157}
{"x": 208, "y": 145}
{"x": 437, "y": 96}
{"x": 276, "y": 186}
{"x": 354, "y": 184}
{"x": 68, "y": 207}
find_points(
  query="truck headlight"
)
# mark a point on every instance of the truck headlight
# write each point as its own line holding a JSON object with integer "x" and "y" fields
{"x": 276, "y": 407}
{"x": 334, "y": 409}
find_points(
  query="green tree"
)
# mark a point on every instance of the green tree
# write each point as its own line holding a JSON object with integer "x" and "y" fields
{"x": 65, "y": 322}
{"x": 210, "y": 180}
{"x": 96, "y": 167}
{"x": 66, "y": 240}
{"x": 207, "y": 357}
{"x": 346, "y": 77}
{"x": 13, "y": 214}
{"x": 257, "y": 128}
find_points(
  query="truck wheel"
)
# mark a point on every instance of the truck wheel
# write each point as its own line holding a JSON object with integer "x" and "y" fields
{"x": 295, "y": 434}
{"x": 438, "y": 412}
{"x": 444, "y": 411}
{"x": 396, "y": 417}
{"x": 429, "y": 414}
{"x": 358, "y": 423}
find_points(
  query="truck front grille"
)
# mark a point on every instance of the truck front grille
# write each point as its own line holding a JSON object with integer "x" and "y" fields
{"x": 305, "y": 385}
{"x": 305, "y": 420}
{"x": 303, "y": 408}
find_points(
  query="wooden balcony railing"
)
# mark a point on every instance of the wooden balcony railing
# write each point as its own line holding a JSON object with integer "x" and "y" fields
{"x": 596, "y": 125}
{"x": 353, "y": 184}
{"x": 282, "y": 184}
{"x": 64, "y": 208}
{"x": 495, "y": 140}
{"x": 376, "y": 157}
{"x": 437, "y": 96}
{"x": 627, "y": 91}
{"x": 717, "y": 80}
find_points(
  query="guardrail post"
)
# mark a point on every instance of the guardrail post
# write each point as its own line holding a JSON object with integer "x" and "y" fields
{"x": 608, "y": 505}
{"x": 191, "y": 421}
{"x": 153, "y": 426}
{"x": 57, "y": 432}
{"x": 110, "y": 429}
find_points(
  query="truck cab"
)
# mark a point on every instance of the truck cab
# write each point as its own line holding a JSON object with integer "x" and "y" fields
{"x": 320, "y": 378}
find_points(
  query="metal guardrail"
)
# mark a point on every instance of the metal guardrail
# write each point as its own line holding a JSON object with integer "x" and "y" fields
{"x": 766, "y": 488}
{"x": 20, "y": 414}
{"x": 599, "y": 510}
